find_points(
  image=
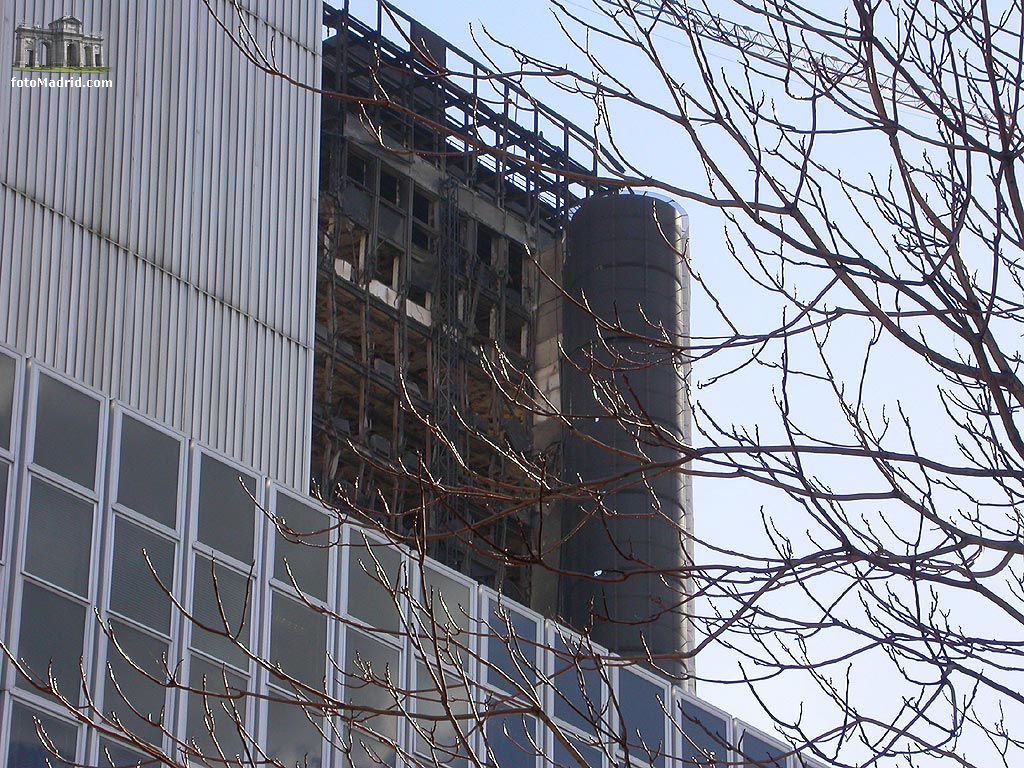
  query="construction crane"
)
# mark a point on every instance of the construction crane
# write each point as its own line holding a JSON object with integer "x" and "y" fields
{"x": 786, "y": 54}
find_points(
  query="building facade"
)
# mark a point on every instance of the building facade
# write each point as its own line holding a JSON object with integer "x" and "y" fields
{"x": 61, "y": 44}
{"x": 222, "y": 292}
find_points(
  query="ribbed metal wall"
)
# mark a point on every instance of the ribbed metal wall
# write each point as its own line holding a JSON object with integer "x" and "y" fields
{"x": 157, "y": 237}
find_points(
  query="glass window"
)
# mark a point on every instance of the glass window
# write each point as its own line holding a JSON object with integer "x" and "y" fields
{"x": 440, "y": 737}
{"x": 59, "y": 539}
{"x": 371, "y": 674}
{"x": 760, "y": 752}
{"x": 114, "y": 755}
{"x": 147, "y": 478}
{"x": 134, "y": 591}
{"x": 705, "y": 735}
{"x": 129, "y": 691}
{"x": 590, "y": 755}
{"x": 26, "y": 751}
{"x": 369, "y": 568}
{"x": 216, "y": 709}
{"x": 5, "y": 473}
{"x": 292, "y": 738}
{"x": 643, "y": 717}
{"x": 511, "y": 650}
{"x": 221, "y": 593}
{"x": 67, "y": 431}
{"x": 446, "y": 602}
{"x": 7, "y": 369}
{"x": 226, "y": 512}
{"x": 51, "y": 634}
{"x": 512, "y": 741}
{"x": 298, "y": 641}
{"x": 307, "y": 553}
{"x": 577, "y": 686}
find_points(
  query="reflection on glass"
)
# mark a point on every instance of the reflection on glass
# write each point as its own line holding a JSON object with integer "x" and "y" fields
{"x": 577, "y": 686}
{"x": 292, "y": 738}
{"x": 67, "y": 431}
{"x": 7, "y": 367}
{"x": 147, "y": 478}
{"x": 26, "y": 751}
{"x": 226, "y": 512}
{"x": 129, "y": 691}
{"x": 512, "y": 741}
{"x": 306, "y": 553}
{"x": 216, "y": 709}
{"x": 51, "y": 634}
{"x": 705, "y": 735}
{"x": 511, "y": 650}
{"x": 214, "y": 601}
{"x": 135, "y": 591}
{"x": 760, "y": 752}
{"x": 371, "y": 674}
{"x": 441, "y": 722}
{"x": 298, "y": 638}
{"x": 643, "y": 717}
{"x": 369, "y": 568}
{"x": 59, "y": 537}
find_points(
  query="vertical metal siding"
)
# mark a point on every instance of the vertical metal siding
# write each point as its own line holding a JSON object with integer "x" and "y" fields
{"x": 157, "y": 238}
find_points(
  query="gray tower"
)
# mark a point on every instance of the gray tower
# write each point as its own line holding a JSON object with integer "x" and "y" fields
{"x": 626, "y": 260}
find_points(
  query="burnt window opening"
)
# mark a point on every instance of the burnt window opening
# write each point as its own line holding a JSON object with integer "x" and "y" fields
{"x": 422, "y": 238}
{"x": 419, "y": 295}
{"x": 514, "y": 336}
{"x": 390, "y": 188}
{"x": 358, "y": 169}
{"x": 482, "y": 320}
{"x": 423, "y": 208}
{"x": 386, "y": 266}
{"x": 486, "y": 243}
{"x": 516, "y": 257}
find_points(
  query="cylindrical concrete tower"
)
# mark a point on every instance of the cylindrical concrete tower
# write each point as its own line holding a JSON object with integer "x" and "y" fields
{"x": 626, "y": 261}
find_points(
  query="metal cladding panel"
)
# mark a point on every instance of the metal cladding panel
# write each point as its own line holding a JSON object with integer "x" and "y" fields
{"x": 157, "y": 237}
{"x": 626, "y": 261}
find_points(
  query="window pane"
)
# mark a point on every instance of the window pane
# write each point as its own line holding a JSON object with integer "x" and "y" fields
{"x": 643, "y": 718}
{"x": 226, "y": 513}
{"x": 705, "y": 735}
{"x": 590, "y": 755}
{"x": 113, "y": 755}
{"x": 134, "y": 591}
{"x": 369, "y": 669}
{"x": 52, "y": 628}
{"x": 137, "y": 691}
{"x": 67, "y": 431}
{"x": 445, "y": 602}
{"x": 214, "y": 707}
{"x": 306, "y": 555}
{"x": 231, "y": 598}
{"x": 5, "y": 473}
{"x": 442, "y": 741}
{"x": 298, "y": 641}
{"x": 368, "y": 599}
{"x": 148, "y": 473}
{"x": 575, "y": 704}
{"x": 26, "y": 751}
{"x": 512, "y": 740}
{"x": 756, "y": 750}
{"x": 7, "y": 366}
{"x": 511, "y": 655}
{"x": 59, "y": 537}
{"x": 292, "y": 739}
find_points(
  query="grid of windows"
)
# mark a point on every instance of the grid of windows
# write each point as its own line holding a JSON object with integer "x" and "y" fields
{"x": 119, "y": 520}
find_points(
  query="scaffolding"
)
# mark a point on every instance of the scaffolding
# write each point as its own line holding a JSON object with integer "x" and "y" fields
{"x": 425, "y": 285}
